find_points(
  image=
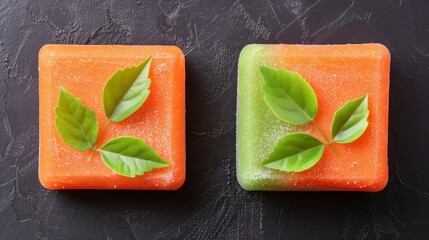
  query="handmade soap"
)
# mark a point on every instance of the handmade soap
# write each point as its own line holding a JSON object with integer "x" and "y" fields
{"x": 160, "y": 121}
{"x": 337, "y": 73}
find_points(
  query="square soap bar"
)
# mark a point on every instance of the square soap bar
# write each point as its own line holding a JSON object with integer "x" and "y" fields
{"x": 160, "y": 122}
{"x": 337, "y": 73}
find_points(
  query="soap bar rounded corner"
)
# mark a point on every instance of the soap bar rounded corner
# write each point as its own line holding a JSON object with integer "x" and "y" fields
{"x": 46, "y": 54}
{"x": 379, "y": 184}
{"x": 178, "y": 183}
{"x": 246, "y": 183}
{"x": 250, "y": 49}
{"x": 178, "y": 51}
{"x": 45, "y": 50}
{"x": 44, "y": 182}
{"x": 383, "y": 49}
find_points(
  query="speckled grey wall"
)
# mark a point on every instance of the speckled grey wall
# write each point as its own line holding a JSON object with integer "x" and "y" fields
{"x": 211, "y": 204}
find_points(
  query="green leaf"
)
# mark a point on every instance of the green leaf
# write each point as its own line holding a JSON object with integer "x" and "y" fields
{"x": 130, "y": 156}
{"x": 295, "y": 152}
{"x": 289, "y": 96}
{"x": 351, "y": 121}
{"x": 75, "y": 122}
{"x": 126, "y": 91}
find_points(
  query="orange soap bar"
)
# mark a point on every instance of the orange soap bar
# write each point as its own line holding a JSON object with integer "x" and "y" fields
{"x": 160, "y": 121}
{"x": 338, "y": 74}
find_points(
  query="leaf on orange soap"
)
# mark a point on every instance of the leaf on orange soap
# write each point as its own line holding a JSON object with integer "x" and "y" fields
{"x": 126, "y": 91}
{"x": 351, "y": 121}
{"x": 76, "y": 123}
{"x": 295, "y": 152}
{"x": 130, "y": 156}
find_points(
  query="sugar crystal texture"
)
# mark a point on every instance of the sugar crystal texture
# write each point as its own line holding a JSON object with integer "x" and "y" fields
{"x": 337, "y": 73}
{"x": 160, "y": 122}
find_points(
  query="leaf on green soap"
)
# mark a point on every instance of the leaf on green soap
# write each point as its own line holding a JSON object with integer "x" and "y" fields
{"x": 289, "y": 96}
{"x": 126, "y": 91}
{"x": 76, "y": 123}
{"x": 295, "y": 152}
{"x": 351, "y": 121}
{"x": 130, "y": 156}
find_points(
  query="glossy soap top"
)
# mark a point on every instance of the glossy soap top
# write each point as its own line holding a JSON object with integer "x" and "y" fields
{"x": 84, "y": 70}
{"x": 337, "y": 73}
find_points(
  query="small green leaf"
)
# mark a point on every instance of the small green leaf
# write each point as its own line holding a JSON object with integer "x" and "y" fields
{"x": 351, "y": 121}
{"x": 126, "y": 91}
{"x": 289, "y": 96}
{"x": 295, "y": 152}
{"x": 130, "y": 156}
{"x": 75, "y": 122}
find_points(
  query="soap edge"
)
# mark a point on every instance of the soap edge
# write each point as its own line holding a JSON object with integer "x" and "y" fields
{"x": 43, "y": 56}
{"x": 380, "y": 183}
{"x": 181, "y": 63}
{"x": 246, "y": 183}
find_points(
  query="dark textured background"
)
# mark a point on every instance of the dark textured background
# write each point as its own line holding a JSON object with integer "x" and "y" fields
{"x": 211, "y": 204}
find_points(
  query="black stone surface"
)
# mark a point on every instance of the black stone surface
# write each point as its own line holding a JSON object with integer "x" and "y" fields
{"x": 211, "y": 205}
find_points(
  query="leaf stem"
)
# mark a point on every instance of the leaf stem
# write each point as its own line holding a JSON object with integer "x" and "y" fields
{"x": 333, "y": 149}
{"x": 92, "y": 153}
{"x": 94, "y": 148}
{"x": 326, "y": 139}
{"x": 102, "y": 133}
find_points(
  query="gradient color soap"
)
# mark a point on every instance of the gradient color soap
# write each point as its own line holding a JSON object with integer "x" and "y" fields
{"x": 337, "y": 73}
{"x": 84, "y": 70}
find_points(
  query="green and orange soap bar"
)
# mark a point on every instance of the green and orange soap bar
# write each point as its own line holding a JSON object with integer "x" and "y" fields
{"x": 146, "y": 121}
{"x": 349, "y": 79}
